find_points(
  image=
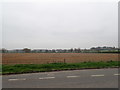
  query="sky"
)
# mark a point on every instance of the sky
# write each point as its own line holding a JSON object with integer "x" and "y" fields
{"x": 59, "y": 24}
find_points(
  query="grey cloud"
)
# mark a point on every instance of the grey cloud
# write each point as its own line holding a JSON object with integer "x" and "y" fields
{"x": 59, "y": 25}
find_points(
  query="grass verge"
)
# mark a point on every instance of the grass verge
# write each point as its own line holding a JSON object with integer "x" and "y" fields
{"x": 30, "y": 68}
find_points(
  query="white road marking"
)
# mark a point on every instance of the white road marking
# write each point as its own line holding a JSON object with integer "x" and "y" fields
{"x": 16, "y": 79}
{"x": 116, "y": 74}
{"x": 50, "y": 74}
{"x": 66, "y": 71}
{"x": 82, "y": 70}
{"x": 72, "y": 76}
{"x": 98, "y": 75}
{"x": 47, "y": 78}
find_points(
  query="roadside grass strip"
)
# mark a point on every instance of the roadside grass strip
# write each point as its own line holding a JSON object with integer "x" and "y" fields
{"x": 34, "y": 68}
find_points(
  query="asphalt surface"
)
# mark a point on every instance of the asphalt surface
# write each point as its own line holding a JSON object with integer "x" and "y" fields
{"x": 88, "y": 78}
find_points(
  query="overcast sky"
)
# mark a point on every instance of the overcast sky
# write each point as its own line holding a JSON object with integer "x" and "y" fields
{"x": 62, "y": 24}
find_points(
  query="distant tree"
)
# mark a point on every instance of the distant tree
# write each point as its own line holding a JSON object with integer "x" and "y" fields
{"x": 53, "y": 51}
{"x": 17, "y": 51}
{"x": 78, "y": 50}
{"x": 26, "y": 50}
{"x": 75, "y": 50}
{"x": 4, "y": 50}
{"x": 46, "y": 51}
{"x": 71, "y": 50}
{"x": 64, "y": 51}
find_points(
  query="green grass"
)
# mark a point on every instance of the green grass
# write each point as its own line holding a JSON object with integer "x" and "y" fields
{"x": 28, "y": 68}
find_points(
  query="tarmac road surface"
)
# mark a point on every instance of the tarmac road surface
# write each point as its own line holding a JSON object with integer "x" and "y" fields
{"x": 87, "y": 78}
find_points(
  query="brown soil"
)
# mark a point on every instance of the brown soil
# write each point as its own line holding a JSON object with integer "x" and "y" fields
{"x": 43, "y": 58}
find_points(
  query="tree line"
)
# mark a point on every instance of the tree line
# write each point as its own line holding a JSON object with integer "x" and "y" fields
{"x": 72, "y": 50}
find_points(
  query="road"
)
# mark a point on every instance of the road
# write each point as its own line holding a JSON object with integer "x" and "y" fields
{"x": 88, "y": 78}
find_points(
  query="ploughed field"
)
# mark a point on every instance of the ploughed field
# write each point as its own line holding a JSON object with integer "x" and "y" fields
{"x": 44, "y": 58}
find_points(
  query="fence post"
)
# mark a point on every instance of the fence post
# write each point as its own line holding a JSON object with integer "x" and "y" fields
{"x": 64, "y": 60}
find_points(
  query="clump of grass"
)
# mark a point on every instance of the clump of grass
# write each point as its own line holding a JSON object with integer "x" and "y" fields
{"x": 28, "y": 68}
